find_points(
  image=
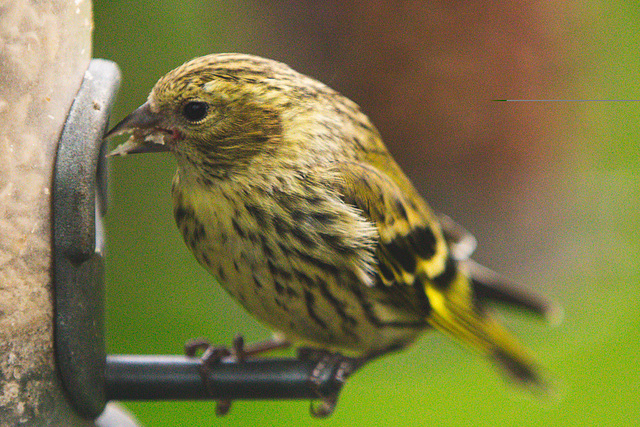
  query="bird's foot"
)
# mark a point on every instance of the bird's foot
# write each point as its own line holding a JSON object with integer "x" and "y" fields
{"x": 209, "y": 356}
{"x": 330, "y": 368}
{"x": 238, "y": 353}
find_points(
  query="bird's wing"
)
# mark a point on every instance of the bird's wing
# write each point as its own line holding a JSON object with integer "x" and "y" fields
{"x": 413, "y": 240}
{"x": 410, "y": 239}
{"x": 413, "y": 250}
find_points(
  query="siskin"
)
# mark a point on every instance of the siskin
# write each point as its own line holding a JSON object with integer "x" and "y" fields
{"x": 286, "y": 194}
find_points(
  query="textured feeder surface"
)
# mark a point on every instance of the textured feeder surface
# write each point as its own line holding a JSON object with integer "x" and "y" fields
{"x": 44, "y": 49}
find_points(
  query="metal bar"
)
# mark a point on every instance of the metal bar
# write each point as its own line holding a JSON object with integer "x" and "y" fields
{"x": 144, "y": 377}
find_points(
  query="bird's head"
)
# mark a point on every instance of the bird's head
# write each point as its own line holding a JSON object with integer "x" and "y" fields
{"x": 217, "y": 111}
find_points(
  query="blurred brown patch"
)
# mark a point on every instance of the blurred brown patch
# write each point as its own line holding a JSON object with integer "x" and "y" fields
{"x": 426, "y": 73}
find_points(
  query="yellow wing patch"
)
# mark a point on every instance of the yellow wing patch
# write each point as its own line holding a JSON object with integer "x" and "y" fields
{"x": 411, "y": 242}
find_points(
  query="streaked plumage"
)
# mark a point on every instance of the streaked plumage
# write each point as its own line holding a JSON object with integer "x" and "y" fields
{"x": 286, "y": 194}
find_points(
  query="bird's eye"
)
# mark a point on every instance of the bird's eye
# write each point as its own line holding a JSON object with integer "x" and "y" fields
{"x": 194, "y": 111}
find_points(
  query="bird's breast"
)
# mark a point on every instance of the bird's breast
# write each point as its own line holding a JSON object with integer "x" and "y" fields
{"x": 294, "y": 257}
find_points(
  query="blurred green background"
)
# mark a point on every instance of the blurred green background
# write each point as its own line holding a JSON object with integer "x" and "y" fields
{"x": 551, "y": 190}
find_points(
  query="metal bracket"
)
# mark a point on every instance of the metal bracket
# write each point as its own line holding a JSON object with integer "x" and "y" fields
{"x": 87, "y": 374}
{"x": 79, "y": 200}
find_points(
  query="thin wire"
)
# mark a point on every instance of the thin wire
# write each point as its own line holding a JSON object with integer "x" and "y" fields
{"x": 566, "y": 100}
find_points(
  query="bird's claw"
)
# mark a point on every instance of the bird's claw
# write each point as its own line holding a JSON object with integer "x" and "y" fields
{"x": 333, "y": 365}
{"x": 324, "y": 407}
{"x": 215, "y": 354}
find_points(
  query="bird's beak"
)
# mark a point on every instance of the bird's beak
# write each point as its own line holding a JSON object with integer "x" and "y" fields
{"x": 146, "y": 134}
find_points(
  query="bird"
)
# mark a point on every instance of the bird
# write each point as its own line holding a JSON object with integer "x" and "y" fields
{"x": 287, "y": 195}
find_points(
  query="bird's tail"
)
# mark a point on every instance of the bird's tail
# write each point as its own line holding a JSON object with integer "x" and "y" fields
{"x": 454, "y": 312}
